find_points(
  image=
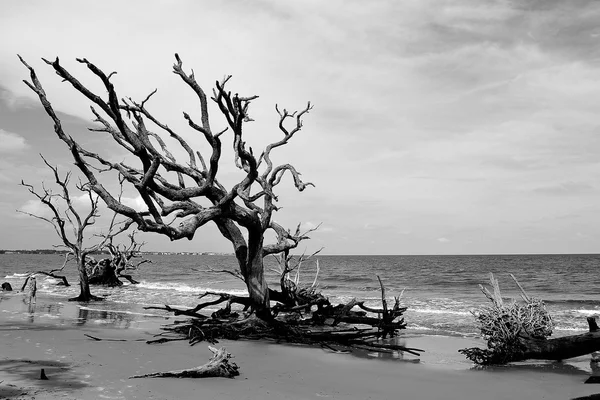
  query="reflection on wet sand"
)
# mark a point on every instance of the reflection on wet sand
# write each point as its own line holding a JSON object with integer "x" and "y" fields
{"x": 57, "y": 311}
{"x": 383, "y": 355}
{"x": 107, "y": 318}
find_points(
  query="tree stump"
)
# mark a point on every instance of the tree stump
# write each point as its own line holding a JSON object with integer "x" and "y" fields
{"x": 104, "y": 273}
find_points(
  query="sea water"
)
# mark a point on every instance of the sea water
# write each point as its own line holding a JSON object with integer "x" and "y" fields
{"x": 441, "y": 292}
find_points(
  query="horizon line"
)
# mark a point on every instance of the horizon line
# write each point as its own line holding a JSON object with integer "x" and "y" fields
{"x": 2, "y": 251}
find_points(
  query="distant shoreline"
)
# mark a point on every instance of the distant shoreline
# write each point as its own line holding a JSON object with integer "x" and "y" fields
{"x": 62, "y": 252}
{"x": 214, "y": 253}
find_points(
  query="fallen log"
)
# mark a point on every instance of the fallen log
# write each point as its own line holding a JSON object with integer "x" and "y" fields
{"x": 518, "y": 332}
{"x": 63, "y": 279}
{"x": 526, "y": 348}
{"x": 218, "y": 366}
{"x": 562, "y": 348}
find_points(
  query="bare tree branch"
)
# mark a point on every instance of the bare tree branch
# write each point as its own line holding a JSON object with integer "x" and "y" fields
{"x": 234, "y": 209}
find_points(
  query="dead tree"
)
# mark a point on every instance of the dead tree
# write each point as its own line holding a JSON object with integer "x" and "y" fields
{"x": 123, "y": 258}
{"x": 520, "y": 331}
{"x": 246, "y": 206}
{"x": 317, "y": 323}
{"x": 65, "y": 218}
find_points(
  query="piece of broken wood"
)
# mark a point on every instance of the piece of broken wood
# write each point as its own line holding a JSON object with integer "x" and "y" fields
{"x": 218, "y": 366}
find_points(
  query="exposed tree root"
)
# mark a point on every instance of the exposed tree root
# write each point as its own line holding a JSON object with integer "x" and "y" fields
{"x": 218, "y": 366}
{"x": 326, "y": 325}
{"x": 108, "y": 271}
{"x": 84, "y": 298}
{"x": 519, "y": 331}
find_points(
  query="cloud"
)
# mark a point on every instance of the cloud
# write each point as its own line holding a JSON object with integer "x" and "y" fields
{"x": 566, "y": 189}
{"x": 429, "y": 116}
{"x": 12, "y": 102}
{"x": 11, "y": 142}
{"x": 83, "y": 199}
{"x": 35, "y": 207}
{"x": 137, "y": 203}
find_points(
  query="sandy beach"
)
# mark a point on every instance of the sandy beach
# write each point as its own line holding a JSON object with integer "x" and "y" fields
{"x": 52, "y": 337}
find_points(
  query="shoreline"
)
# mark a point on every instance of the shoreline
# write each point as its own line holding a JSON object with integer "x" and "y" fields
{"x": 52, "y": 337}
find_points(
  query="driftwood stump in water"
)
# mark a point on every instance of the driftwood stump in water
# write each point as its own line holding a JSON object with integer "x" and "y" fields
{"x": 218, "y": 366}
{"x": 103, "y": 273}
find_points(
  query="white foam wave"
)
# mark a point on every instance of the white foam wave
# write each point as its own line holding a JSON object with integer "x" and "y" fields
{"x": 438, "y": 311}
{"x": 570, "y": 328}
{"x": 418, "y": 327}
{"x": 587, "y": 312}
{"x": 180, "y": 287}
{"x": 17, "y": 275}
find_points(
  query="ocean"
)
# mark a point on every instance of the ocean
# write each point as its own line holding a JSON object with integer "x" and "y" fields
{"x": 440, "y": 291}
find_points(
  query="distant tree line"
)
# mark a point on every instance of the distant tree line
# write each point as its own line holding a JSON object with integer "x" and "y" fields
{"x": 43, "y": 251}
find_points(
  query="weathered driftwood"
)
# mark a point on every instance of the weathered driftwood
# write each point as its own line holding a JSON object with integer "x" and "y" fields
{"x": 109, "y": 271}
{"x": 63, "y": 279}
{"x": 218, "y": 366}
{"x": 564, "y": 347}
{"x": 315, "y": 322}
{"x": 518, "y": 332}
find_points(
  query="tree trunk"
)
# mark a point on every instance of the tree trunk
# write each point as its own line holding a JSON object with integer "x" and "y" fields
{"x": 104, "y": 273}
{"x": 250, "y": 259}
{"x": 540, "y": 349}
{"x": 256, "y": 283}
{"x": 84, "y": 285}
{"x": 562, "y": 348}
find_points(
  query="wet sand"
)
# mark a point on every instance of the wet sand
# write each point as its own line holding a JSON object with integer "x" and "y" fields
{"x": 52, "y": 337}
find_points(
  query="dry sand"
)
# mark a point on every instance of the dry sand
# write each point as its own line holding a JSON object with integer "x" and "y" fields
{"x": 52, "y": 337}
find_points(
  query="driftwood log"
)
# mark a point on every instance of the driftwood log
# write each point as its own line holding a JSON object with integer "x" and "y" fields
{"x": 562, "y": 348}
{"x": 218, "y": 366}
{"x": 518, "y": 332}
{"x": 123, "y": 258}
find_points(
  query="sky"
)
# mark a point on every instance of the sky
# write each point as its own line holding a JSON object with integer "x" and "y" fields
{"x": 439, "y": 127}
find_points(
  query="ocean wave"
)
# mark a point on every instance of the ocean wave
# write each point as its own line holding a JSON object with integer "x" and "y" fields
{"x": 346, "y": 278}
{"x": 417, "y": 327}
{"x": 146, "y": 314}
{"x": 180, "y": 287}
{"x": 574, "y": 301}
{"x": 586, "y": 312}
{"x": 17, "y": 275}
{"x": 570, "y": 328}
{"x": 439, "y": 311}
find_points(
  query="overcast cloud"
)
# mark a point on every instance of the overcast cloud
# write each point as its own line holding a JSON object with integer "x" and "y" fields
{"x": 440, "y": 127}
